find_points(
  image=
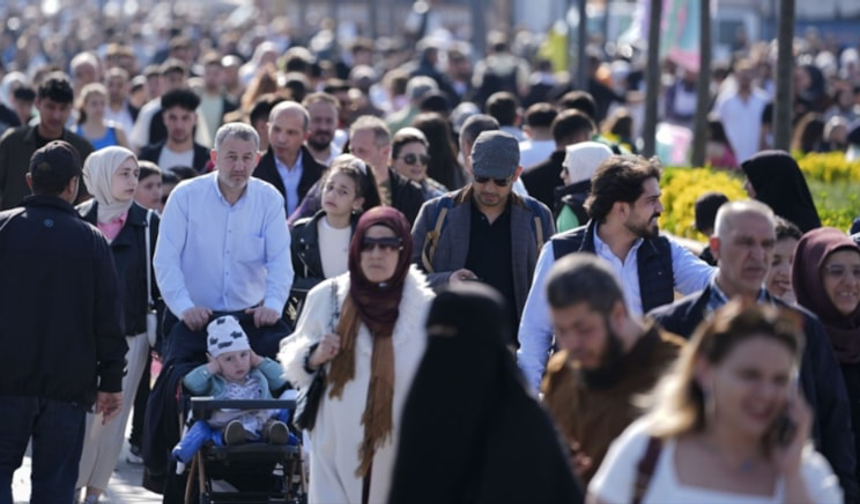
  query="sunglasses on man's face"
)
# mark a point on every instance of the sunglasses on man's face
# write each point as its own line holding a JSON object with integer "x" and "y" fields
{"x": 387, "y": 244}
{"x": 412, "y": 159}
{"x": 501, "y": 182}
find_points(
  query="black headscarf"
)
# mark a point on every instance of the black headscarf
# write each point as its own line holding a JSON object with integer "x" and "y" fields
{"x": 779, "y": 183}
{"x": 471, "y": 432}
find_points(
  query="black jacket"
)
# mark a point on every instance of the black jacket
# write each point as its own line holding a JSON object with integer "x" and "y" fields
{"x": 542, "y": 179}
{"x": 406, "y": 195}
{"x": 820, "y": 379}
{"x": 128, "y": 249}
{"x": 311, "y": 172}
{"x": 60, "y": 311}
{"x": 573, "y": 196}
{"x": 305, "y": 248}
{"x": 16, "y": 148}
{"x": 152, "y": 152}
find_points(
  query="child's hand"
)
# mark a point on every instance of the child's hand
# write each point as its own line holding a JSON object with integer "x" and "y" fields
{"x": 256, "y": 360}
{"x": 213, "y": 366}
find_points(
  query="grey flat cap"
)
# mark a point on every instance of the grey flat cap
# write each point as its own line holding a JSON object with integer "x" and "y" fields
{"x": 495, "y": 154}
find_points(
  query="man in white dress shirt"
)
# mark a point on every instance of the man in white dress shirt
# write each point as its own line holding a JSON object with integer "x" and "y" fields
{"x": 623, "y": 206}
{"x": 223, "y": 248}
{"x": 224, "y": 245}
{"x": 741, "y": 113}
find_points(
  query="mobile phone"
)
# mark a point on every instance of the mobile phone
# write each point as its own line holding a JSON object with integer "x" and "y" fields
{"x": 784, "y": 429}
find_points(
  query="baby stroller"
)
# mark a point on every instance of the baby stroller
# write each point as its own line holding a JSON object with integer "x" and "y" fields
{"x": 169, "y": 403}
{"x": 262, "y": 473}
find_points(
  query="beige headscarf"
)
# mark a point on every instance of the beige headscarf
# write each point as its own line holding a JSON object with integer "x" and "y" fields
{"x": 98, "y": 172}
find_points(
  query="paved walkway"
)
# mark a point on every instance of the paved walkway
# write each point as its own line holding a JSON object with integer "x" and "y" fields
{"x": 124, "y": 486}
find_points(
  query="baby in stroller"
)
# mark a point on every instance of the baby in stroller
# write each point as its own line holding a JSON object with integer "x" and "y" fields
{"x": 234, "y": 371}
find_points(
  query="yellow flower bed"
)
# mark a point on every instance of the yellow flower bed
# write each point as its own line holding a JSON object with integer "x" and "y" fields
{"x": 682, "y": 187}
{"x": 834, "y": 184}
{"x": 829, "y": 167}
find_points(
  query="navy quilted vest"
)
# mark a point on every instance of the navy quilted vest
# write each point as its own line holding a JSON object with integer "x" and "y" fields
{"x": 654, "y": 259}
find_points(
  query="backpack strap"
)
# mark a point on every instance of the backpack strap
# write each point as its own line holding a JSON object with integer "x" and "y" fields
{"x": 431, "y": 241}
{"x": 535, "y": 207}
{"x": 645, "y": 468}
{"x": 539, "y": 232}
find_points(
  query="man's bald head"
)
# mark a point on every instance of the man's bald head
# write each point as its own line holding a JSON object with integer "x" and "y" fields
{"x": 290, "y": 108}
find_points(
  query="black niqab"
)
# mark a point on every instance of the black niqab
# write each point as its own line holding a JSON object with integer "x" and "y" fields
{"x": 779, "y": 183}
{"x": 471, "y": 431}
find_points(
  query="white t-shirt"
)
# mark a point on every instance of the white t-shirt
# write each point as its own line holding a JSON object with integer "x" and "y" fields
{"x": 169, "y": 159}
{"x": 616, "y": 477}
{"x": 742, "y": 122}
{"x": 334, "y": 248}
{"x": 534, "y": 152}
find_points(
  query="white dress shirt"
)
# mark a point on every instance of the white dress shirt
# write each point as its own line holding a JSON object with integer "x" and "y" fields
{"x": 742, "y": 122}
{"x": 219, "y": 256}
{"x": 291, "y": 176}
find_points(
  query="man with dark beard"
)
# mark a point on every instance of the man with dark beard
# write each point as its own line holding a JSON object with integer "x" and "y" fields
{"x": 324, "y": 111}
{"x": 606, "y": 358}
{"x": 623, "y": 207}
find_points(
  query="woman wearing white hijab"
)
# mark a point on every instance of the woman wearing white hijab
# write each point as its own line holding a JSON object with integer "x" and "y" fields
{"x": 580, "y": 162}
{"x": 110, "y": 175}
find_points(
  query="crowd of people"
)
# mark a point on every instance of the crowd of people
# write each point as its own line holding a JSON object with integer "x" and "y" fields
{"x": 463, "y": 249}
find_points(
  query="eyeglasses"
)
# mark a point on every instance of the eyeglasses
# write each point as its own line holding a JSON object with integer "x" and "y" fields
{"x": 840, "y": 271}
{"x": 389, "y": 244}
{"x": 501, "y": 182}
{"x": 412, "y": 159}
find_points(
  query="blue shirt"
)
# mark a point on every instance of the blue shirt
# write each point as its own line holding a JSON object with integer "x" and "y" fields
{"x": 691, "y": 275}
{"x": 291, "y": 176}
{"x": 219, "y": 256}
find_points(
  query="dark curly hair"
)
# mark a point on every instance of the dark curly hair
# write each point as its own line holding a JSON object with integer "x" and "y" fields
{"x": 619, "y": 178}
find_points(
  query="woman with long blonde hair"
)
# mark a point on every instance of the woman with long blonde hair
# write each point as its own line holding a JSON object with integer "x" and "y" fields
{"x": 727, "y": 425}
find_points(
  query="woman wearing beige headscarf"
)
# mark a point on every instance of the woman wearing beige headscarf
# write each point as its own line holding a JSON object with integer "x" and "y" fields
{"x": 110, "y": 175}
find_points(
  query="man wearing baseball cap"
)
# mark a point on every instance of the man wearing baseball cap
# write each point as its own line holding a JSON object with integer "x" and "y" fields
{"x": 484, "y": 231}
{"x": 62, "y": 327}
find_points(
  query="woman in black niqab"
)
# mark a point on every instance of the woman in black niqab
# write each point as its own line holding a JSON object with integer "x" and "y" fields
{"x": 471, "y": 431}
{"x": 778, "y": 182}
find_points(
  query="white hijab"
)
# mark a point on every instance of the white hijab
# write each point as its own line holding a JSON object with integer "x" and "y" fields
{"x": 98, "y": 172}
{"x": 11, "y": 79}
{"x": 583, "y": 158}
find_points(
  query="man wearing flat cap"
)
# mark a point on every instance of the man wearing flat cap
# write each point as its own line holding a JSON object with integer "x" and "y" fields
{"x": 62, "y": 328}
{"x": 485, "y": 232}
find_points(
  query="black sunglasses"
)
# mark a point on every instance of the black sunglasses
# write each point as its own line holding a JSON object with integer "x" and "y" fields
{"x": 501, "y": 182}
{"x": 411, "y": 159}
{"x": 387, "y": 244}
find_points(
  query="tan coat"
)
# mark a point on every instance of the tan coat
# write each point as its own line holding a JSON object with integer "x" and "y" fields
{"x": 594, "y": 418}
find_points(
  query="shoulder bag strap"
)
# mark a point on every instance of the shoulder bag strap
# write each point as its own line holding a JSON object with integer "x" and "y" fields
{"x": 147, "y": 238}
{"x": 335, "y": 306}
{"x": 645, "y": 468}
